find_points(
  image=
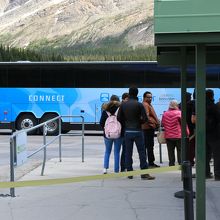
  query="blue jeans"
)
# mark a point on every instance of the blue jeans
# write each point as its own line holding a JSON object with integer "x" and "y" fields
{"x": 136, "y": 137}
{"x": 108, "y": 148}
{"x": 122, "y": 162}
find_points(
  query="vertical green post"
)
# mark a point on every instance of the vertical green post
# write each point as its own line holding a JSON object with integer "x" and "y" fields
{"x": 183, "y": 102}
{"x": 200, "y": 132}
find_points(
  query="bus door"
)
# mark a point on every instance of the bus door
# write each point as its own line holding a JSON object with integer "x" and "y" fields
{"x": 5, "y": 114}
{"x": 97, "y": 113}
{"x": 83, "y": 109}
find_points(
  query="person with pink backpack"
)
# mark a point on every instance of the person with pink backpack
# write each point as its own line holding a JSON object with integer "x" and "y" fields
{"x": 112, "y": 132}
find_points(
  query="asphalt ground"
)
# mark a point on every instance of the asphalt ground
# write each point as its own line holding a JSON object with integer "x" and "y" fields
{"x": 116, "y": 198}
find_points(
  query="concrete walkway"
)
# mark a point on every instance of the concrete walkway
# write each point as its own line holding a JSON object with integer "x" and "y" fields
{"x": 118, "y": 199}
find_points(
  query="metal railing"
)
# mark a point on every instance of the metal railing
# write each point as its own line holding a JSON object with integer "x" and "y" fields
{"x": 13, "y": 140}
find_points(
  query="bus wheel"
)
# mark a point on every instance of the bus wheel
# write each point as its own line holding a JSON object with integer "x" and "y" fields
{"x": 26, "y": 121}
{"x": 52, "y": 127}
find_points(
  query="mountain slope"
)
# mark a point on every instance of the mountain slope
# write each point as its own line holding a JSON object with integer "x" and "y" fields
{"x": 75, "y": 22}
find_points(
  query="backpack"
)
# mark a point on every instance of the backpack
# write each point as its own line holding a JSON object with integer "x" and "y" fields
{"x": 112, "y": 127}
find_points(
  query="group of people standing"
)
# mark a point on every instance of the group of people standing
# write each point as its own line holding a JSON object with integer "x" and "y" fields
{"x": 212, "y": 122}
{"x": 171, "y": 121}
{"x": 212, "y": 135}
{"x": 136, "y": 119}
{"x": 139, "y": 122}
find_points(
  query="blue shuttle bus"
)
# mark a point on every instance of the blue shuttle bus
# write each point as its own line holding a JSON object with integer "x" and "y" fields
{"x": 33, "y": 92}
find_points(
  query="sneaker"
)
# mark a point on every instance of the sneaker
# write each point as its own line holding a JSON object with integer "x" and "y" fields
{"x": 147, "y": 177}
{"x": 153, "y": 165}
{"x": 130, "y": 177}
{"x": 171, "y": 164}
{"x": 104, "y": 171}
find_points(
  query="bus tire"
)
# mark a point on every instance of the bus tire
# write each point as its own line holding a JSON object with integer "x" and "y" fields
{"x": 26, "y": 121}
{"x": 53, "y": 127}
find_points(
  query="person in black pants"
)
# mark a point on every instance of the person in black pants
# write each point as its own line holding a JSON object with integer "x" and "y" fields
{"x": 125, "y": 97}
{"x": 212, "y": 135}
{"x": 190, "y": 109}
{"x": 216, "y": 148}
{"x": 132, "y": 114}
{"x": 149, "y": 128}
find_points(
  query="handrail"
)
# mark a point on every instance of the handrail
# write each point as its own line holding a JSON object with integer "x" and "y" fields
{"x": 43, "y": 147}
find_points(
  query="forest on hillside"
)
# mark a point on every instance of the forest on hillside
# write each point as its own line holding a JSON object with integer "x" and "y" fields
{"x": 10, "y": 54}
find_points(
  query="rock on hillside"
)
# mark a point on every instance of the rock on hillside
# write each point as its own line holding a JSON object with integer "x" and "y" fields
{"x": 75, "y": 22}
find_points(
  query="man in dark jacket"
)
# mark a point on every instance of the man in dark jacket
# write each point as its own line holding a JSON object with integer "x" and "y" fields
{"x": 216, "y": 150}
{"x": 132, "y": 115}
{"x": 212, "y": 134}
{"x": 190, "y": 110}
{"x": 125, "y": 97}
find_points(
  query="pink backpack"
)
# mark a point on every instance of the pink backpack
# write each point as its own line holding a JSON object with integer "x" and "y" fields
{"x": 112, "y": 126}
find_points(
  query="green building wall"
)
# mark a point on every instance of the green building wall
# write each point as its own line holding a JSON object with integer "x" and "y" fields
{"x": 186, "y": 16}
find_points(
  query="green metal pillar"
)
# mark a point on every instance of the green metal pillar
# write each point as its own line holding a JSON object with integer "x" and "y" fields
{"x": 183, "y": 102}
{"x": 200, "y": 132}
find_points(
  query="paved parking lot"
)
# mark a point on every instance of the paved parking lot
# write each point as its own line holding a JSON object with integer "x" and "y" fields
{"x": 117, "y": 199}
{"x": 71, "y": 148}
